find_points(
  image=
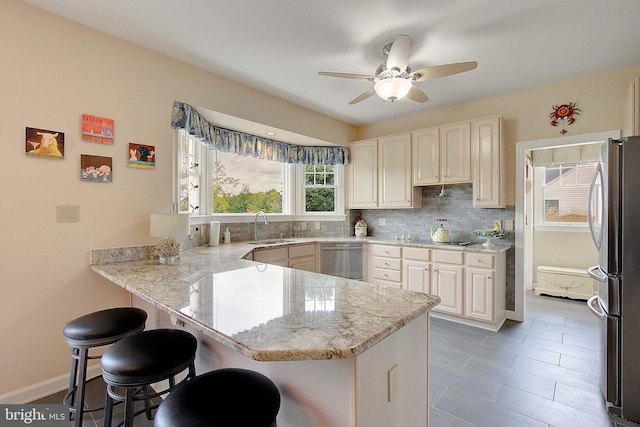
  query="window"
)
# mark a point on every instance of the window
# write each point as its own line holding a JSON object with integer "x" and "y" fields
{"x": 216, "y": 183}
{"x": 562, "y": 193}
{"x": 319, "y": 188}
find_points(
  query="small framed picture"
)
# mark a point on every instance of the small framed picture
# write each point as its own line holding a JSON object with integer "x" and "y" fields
{"x": 96, "y": 168}
{"x": 142, "y": 156}
{"x": 47, "y": 144}
{"x": 98, "y": 129}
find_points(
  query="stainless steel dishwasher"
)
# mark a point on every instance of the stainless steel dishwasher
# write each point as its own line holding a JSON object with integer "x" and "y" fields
{"x": 341, "y": 259}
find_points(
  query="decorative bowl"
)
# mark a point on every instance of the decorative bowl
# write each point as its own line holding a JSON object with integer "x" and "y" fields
{"x": 488, "y": 233}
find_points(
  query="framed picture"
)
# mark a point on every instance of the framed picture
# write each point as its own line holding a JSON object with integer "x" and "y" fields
{"x": 96, "y": 168}
{"x": 142, "y": 156}
{"x": 98, "y": 129}
{"x": 47, "y": 144}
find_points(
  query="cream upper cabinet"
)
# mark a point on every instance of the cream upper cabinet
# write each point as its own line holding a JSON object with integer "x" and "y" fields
{"x": 488, "y": 163}
{"x": 455, "y": 153}
{"x": 631, "y": 124}
{"x": 380, "y": 174}
{"x": 426, "y": 156}
{"x": 363, "y": 174}
{"x": 395, "y": 189}
{"x": 442, "y": 155}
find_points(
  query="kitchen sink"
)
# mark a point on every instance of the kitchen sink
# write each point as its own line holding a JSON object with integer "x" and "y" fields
{"x": 271, "y": 242}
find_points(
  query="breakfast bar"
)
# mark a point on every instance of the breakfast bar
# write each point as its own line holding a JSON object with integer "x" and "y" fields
{"x": 342, "y": 352}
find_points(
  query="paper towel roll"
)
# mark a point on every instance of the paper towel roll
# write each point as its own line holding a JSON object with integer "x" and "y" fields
{"x": 214, "y": 233}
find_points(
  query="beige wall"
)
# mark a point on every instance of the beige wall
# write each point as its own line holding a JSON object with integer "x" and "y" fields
{"x": 526, "y": 114}
{"x": 53, "y": 71}
{"x": 563, "y": 249}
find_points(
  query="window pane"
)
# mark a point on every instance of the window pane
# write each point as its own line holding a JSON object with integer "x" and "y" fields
{"x": 243, "y": 184}
{"x": 319, "y": 199}
{"x": 566, "y": 191}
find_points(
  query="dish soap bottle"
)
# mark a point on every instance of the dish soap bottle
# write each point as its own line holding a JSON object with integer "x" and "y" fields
{"x": 227, "y": 236}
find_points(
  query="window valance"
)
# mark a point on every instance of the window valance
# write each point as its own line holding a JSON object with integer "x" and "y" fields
{"x": 230, "y": 141}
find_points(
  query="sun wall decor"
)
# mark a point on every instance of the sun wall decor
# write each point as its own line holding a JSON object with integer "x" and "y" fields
{"x": 564, "y": 113}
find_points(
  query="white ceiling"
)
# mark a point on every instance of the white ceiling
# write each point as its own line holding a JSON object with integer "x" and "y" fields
{"x": 278, "y": 46}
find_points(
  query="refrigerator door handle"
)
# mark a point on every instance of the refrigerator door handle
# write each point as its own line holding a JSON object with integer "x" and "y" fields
{"x": 596, "y": 273}
{"x": 592, "y": 227}
{"x": 596, "y": 308}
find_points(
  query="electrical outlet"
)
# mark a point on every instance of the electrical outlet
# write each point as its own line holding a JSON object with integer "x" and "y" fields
{"x": 394, "y": 383}
{"x": 508, "y": 224}
{"x": 317, "y": 226}
{"x": 382, "y": 222}
{"x": 303, "y": 225}
{"x": 498, "y": 223}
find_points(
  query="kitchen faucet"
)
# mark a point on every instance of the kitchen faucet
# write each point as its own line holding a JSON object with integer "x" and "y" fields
{"x": 255, "y": 225}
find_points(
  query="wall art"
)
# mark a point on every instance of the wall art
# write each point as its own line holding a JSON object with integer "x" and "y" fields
{"x": 142, "y": 156}
{"x": 98, "y": 129}
{"x": 96, "y": 168}
{"x": 564, "y": 113}
{"x": 47, "y": 144}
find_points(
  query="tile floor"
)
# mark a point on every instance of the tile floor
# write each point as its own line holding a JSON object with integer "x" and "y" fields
{"x": 536, "y": 373}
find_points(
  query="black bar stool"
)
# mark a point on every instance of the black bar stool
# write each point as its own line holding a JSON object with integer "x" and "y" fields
{"x": 95, "y": 330}
{"x": 136, "y": 362}
{"x": 224, "y": 397}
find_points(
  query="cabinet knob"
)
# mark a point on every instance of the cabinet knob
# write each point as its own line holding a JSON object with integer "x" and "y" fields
{"x": 488, "y": 277}
{"x": 386, "y": 264}
{"x": 386, "y": 275}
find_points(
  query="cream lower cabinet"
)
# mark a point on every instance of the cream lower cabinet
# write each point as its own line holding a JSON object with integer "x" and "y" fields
{"x": 447, "y": 280}
{"x": 303, "y": 257}
{"x": 386, "y": 265}
{"x": 300, "y": 257}
{"x": 417, "y": 269}
{"x": 478, "y": 292}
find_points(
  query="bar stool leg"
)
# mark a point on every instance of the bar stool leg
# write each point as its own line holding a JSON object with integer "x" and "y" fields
{"x": 108, "y": 408}
{"x": 128, "y": 407}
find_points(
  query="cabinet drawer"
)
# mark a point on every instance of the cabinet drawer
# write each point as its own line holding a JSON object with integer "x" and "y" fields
{"x": 386, "y": 274}
{"x": 387, "y": 251}
{"x": 419, "y": 254}
{"x": 480, "y": 260}
{"x": 449, "y": 257}
{"x": 390, "y": 263}
{"x": 302, "y": 250}
{"x": 268, "y": 255}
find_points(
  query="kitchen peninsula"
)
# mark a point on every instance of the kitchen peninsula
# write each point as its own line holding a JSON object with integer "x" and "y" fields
{"x": 333, "y": 346}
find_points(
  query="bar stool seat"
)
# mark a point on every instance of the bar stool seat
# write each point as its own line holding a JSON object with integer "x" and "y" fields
{"x": 132, "y": 364}
{"x": 92, "y": 330}
{"x": 224, "y": 397}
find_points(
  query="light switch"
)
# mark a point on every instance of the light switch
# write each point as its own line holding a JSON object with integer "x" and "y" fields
{"x": 67, "y": 213}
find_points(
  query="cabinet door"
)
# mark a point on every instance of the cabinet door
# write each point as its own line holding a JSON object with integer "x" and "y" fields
{"x": 363, "y": 174}
{"x": 417, "y": 276}
{"x": 305, "y": 263}
{"x": 426, "y": 156}
{"x": 446, "y": 282}
{"x": 478, "y": 294}
{"x": 488, "y": 161}
{"x": 394, "y": 171}
{"x": 455, "y": 153}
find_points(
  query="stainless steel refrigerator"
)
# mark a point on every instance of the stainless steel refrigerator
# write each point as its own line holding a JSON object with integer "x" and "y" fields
{"x": 614, "y": 220}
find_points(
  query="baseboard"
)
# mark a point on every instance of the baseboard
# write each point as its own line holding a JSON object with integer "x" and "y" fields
{"x": 44, "y": 388}
{"x": 511, "y": 315}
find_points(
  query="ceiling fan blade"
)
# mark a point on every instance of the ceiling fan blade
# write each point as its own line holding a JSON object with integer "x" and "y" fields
{"x": 398, "y": 56}
{"x": 435, "y": 72}
{"x": 362, "y": 97}
{"x": 347, "y": 75}
{"x": 416, "y": 94}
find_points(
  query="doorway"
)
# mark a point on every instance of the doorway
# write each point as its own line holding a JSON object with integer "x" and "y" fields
{"x": 524, "y": 210}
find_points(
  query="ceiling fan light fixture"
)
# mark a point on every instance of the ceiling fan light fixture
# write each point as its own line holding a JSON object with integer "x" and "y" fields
{"x": 393, "y": 88}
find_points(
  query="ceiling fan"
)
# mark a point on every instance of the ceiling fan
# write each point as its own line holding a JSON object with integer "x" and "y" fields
{"x": 394, "y": 79}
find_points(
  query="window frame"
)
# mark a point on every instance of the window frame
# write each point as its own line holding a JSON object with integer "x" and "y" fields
{"x": 293, "y": 195}
{"x": 540, "y": 224}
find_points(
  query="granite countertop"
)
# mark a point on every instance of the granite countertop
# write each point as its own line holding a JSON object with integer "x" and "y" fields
{"x": 265, "y": 312}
